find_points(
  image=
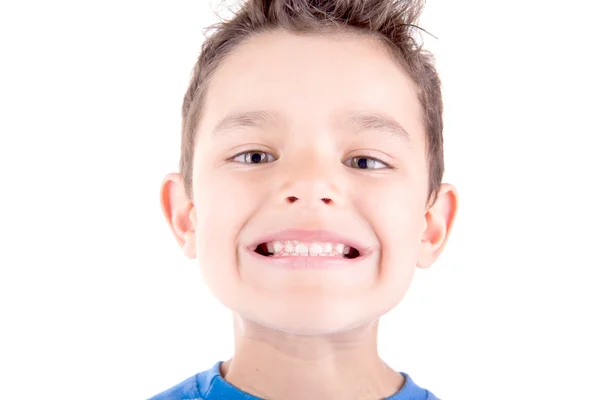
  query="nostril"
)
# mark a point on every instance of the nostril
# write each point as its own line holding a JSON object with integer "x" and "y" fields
{"x": 293, "y": 199}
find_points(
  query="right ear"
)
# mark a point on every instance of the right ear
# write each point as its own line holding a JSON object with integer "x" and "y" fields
{"x": 179, "y": 212}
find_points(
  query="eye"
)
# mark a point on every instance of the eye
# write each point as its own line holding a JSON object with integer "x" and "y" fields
{"x": 363, "y": 162}
{"x": 253, "y": 157}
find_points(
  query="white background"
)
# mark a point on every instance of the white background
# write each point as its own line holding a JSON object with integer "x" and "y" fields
{"x": 97, "y": 300}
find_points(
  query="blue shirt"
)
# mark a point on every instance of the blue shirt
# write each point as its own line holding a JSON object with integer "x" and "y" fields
{"x": 210, "y": 385}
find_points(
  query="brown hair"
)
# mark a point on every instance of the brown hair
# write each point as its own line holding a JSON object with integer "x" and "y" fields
{"x": 393, "y": 22}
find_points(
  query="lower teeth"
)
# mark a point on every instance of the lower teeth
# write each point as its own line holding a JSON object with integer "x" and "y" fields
{"x": 306, "y": 255}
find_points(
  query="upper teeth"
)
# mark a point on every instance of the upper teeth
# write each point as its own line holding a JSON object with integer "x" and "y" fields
{"x": 295, "y": 247}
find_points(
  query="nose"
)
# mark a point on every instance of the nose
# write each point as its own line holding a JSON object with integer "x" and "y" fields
{"x": 312, "y": 184}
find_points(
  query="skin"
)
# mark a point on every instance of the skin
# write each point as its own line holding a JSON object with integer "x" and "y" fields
{"x": 295, "y": 329}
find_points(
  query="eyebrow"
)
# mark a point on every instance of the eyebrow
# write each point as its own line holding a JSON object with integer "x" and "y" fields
{"x": 377, "y": 122}
{"x": 359, "y": 121}
{"x": 249, "y": 119}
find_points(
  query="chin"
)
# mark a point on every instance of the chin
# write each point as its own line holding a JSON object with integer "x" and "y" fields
{"x": 310, "y": 320}
{"x": 306, "y": 328}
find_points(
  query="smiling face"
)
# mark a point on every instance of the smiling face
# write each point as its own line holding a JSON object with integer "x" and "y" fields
{"x": 324, "y": 136}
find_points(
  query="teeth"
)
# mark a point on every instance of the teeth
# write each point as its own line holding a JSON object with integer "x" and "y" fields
{"x": 282, "y": 248}
{"x": 315, "y": 249}
{"x": 301, "y": 248}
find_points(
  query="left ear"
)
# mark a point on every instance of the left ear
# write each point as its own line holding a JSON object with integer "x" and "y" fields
{"x": 439, "y": 220}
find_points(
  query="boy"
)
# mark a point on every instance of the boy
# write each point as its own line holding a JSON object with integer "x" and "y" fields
{"x": 309, "y": 189}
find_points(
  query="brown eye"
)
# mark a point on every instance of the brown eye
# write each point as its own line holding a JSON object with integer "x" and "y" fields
{"x": 254, "y": 157}
{"x": 363, "y": 162}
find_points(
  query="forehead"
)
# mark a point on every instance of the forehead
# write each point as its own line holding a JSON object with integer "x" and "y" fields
{"x": 311, "y": 79}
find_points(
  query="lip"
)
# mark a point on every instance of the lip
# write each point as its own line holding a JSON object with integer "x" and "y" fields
{"x": 305, "y": 235}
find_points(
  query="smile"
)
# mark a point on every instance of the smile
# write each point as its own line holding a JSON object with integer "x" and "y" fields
{"x": 300, "y": 248}
{"x": 309, "y": 249}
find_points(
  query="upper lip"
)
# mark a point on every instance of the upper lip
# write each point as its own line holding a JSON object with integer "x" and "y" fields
{"x": 305, "y": 235}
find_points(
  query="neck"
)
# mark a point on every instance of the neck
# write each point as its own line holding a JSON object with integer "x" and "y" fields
{"x": 272, "y": 364}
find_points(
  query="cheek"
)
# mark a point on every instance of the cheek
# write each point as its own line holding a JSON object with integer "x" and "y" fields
{"x": 397, "y": 226}
{"x": 392, "y": 209}
{"x": 396, "y": 218}
{"x": 221, "y": 206}
{"x": 224, "y": 203}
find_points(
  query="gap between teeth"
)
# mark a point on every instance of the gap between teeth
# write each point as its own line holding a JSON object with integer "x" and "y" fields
{"x": 295, "y": 247}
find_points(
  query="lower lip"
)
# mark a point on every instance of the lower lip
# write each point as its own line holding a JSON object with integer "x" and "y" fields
{"x": 307, "y": 262}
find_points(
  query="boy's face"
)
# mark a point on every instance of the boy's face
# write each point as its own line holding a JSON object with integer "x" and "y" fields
{"x": 317, "y": 169}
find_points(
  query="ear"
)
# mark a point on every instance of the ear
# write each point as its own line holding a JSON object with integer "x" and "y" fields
{"x": 179, "y": 212}
{"x": 439, "y": 220}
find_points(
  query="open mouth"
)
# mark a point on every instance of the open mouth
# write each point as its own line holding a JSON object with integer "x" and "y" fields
{"x": 291, "y": 248}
